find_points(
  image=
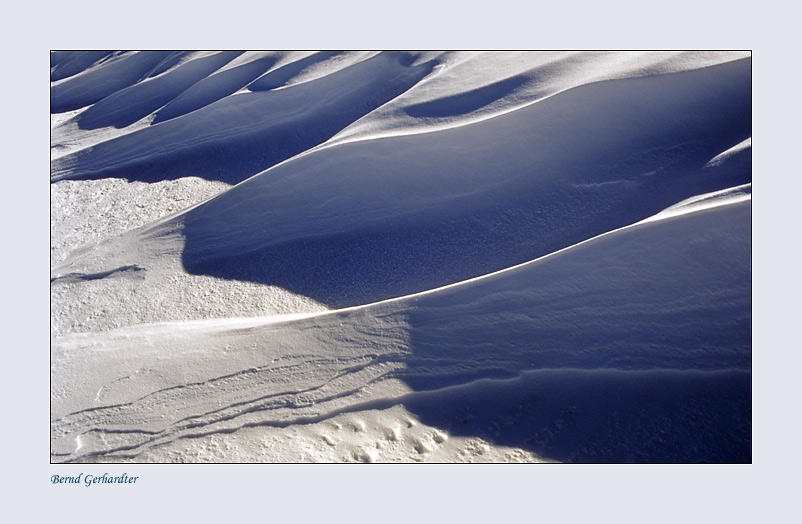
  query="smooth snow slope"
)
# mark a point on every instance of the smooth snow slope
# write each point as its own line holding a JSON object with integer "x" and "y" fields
{"x": 434, "y": 208}
{"x": 426, "y": 256}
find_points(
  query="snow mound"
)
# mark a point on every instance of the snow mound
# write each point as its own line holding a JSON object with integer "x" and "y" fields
{"x": 363, "y": 221}
{"x": 561, "y": 357}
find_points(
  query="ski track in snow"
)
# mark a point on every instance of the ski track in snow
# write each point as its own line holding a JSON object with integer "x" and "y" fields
{"x": 405, "y": 257}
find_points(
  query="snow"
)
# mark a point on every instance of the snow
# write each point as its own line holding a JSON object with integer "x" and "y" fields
{"x": 401, "y": 257}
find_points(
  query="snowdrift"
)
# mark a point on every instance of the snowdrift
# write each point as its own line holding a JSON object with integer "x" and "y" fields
{"x": 424, "y": 257}
{"x": 435, "y": 208}
{"x": 645, "y": 357}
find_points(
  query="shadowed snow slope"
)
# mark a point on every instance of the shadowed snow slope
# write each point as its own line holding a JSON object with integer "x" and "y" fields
{"x": 392, "y": 93}
{"x": 215, "y": 87}
{"x": 645, "y": 356}
{"x": 126, "y": 106}
{"x": 64, "y": 64}
{"x": 95, "y": 84}
{"x": 238, "y": 136}
{"x": 364, "y": 221}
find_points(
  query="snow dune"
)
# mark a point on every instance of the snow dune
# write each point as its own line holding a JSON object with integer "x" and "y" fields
{"x": 424, "y": 256}
{"x": 128, "y": 105}
{"x": 434, "y": 208}
{"x": 94, "y": 85}
{"x": 240, "y": 135}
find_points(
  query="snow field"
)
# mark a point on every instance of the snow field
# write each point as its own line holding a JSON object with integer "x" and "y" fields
{"x": 400, "y": 257}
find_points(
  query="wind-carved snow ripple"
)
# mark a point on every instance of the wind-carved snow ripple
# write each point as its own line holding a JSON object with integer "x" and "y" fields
{"x": 299, "y": 382}
{"x": 364, "y": 221}
{"x": 238, "y": 136}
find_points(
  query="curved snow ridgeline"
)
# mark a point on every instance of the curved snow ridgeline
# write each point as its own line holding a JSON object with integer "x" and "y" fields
{"x": 401, "y": 256}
